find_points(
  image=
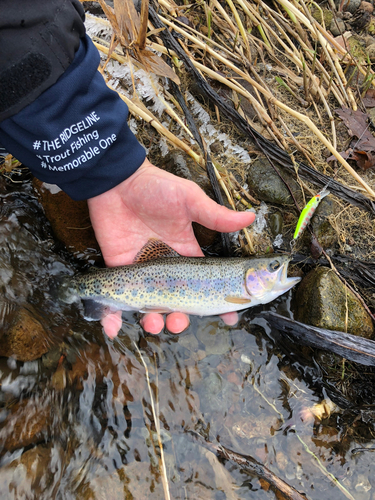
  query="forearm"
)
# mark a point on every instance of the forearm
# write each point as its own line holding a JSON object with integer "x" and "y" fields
{"x": 75, "y": 133}
{"x": 38, "y": 40}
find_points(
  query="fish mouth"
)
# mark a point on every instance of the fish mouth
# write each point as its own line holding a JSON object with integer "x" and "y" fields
{"x": 283, "y": 283}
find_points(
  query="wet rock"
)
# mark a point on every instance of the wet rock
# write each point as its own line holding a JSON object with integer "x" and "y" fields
{"x": 215, "y": 339}
{"x": 26, "y": 473}
{"x": 325, "y": 233}
{"x": 51, "y": 359}
{"x": 249, "y": 427}
{"x": 316, "y": 248}
{"x": 211, "y": 393}
{"x": 26, "y": 338}
{"x": 138, "y": 481}
{"x": 213, "y": 384}
{"x": 268, "y": 186}
{"x": 281, "y": 460}
{"x": 127, "y": 377}
{"x": 69, "y": 219}
{"x": 100, "y": 484}
{"x": 189, "y": 342}
{"x": 182, "y": 165}
{"x": 321, "y": 301}
{"x": 28, "y": 423}
{"x": 276, "y": 224}
{"x": 363, "y": 484}
{"x": 179, "y": 164}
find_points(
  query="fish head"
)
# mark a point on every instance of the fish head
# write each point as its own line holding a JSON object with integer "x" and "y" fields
{"x": 267, "y": 278}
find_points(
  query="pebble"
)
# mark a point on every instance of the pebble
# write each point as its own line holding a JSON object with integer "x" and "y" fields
{"x": 281, "y": 460}
{"x": 246, "y": 359}
{"x": 351, "y": 5}
{"x": 363, "y": 484}
{"x": 337, "y": 27}
{"x": 276, "y": 223}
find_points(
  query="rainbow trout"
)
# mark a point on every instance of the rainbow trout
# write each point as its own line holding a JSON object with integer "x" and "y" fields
{"x": 161, "y": 280}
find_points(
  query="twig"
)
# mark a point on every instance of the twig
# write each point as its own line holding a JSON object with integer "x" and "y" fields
{"x": 281, "y": 105}
{"x": 321, "y": 467}
{"x": 251, "y": 466}
{"x": 163, "y": 470}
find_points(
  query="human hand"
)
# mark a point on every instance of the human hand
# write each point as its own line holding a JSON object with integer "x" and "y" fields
{"x": 153, "y": 203}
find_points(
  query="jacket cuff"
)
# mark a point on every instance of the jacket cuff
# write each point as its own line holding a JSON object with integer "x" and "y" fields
{"x": 75, "y": 134}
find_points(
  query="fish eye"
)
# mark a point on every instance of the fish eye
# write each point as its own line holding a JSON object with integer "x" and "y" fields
{"x": 274, "y": 265}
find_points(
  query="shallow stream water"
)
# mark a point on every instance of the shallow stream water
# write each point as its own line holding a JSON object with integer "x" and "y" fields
{"x": 128, "y": 419}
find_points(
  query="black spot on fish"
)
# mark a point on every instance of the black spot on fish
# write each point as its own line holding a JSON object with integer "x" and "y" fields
{"x": 97, "y": 287}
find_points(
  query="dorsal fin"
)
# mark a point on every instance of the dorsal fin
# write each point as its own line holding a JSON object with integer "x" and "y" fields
{"x": 154, "y": 249}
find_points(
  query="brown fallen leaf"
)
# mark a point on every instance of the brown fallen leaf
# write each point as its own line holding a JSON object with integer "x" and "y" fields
{"x": 362, "y": 147}
{"x": 130, "y": 30}
{"x": 369, "y": 99}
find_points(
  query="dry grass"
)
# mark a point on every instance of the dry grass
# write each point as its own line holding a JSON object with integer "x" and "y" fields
{"x": 284, "y": 72}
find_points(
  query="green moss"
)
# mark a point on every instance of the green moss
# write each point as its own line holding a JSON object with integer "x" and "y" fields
{"x": 322, "y": 14}
{"x": 356, "y": 49}
{"x": 371, "y": 27}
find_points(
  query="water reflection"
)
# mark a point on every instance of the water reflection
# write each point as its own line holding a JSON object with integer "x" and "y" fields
{"x": 79, "y": 421}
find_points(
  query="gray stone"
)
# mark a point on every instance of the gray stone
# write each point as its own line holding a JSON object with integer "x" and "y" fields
{"x": 268, "y": 186}
{"x": 337, "y": 26}
{"x": 26, "y": 338}
{"x": 351, "y": 5}
{"x": 215, "y": 339}
{"x": 276, "y": 224}
{"x": 321, "y": 301}
{"x": 325, "y": 233}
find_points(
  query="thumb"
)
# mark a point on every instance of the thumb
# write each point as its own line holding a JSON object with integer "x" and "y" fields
{"x": 214, "y": 216}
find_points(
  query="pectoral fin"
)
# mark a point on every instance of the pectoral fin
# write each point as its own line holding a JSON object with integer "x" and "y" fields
{"x": 237, "y": 300}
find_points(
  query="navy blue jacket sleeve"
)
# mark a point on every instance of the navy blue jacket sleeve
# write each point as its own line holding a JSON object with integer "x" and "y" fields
{"x": 75, "y": 134}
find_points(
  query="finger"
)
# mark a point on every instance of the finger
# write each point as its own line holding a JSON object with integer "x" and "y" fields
{"x": 230, "y": 319}
{"x": 217, "y": 217}
{"x": 152, "y": 323}
{"x": 112, "y": 324}
{"x": 177, "y": 322}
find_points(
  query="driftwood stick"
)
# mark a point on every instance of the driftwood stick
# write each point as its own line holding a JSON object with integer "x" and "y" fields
{"x": 251, "y": 466}
{"x": 351, "y": 347}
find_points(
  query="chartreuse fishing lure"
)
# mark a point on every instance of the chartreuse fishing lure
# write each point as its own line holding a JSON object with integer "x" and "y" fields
{"x": 308, "y": 212}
